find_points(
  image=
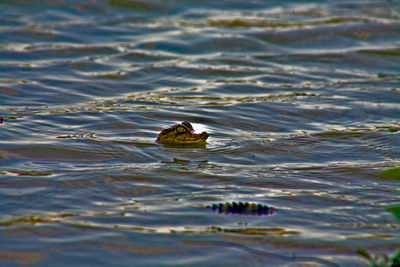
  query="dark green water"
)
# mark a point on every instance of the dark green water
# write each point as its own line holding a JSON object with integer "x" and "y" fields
{"x": 301, "y": 100}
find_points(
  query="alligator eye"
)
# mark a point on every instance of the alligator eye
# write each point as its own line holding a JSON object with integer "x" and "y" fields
{"x": 180, "y": 129}
{"x": 187, "y": 124}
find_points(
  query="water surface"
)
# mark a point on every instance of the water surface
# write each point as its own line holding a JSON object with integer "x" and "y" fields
{"x": 301, "y": 100}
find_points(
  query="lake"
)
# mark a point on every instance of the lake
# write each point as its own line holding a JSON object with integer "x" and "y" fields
{"x": 301, "y": 100}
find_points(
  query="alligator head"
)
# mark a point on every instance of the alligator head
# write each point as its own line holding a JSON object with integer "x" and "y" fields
{"x": 181, "y": 134}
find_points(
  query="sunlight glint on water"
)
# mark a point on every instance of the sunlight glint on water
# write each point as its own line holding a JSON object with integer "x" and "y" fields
{"x": 300, "y": 101}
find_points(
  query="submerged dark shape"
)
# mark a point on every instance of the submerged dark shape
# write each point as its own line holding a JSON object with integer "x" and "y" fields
{"x": 242, "y": 208}
{"x": 181, "y": 134}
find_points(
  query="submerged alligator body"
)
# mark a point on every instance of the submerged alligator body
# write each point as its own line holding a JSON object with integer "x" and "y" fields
{"x": 181, "y": 134}
{"x": 242, "y": 208}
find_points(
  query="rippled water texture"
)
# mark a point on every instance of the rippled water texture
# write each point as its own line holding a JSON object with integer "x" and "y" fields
{"x": 301, "y": 101}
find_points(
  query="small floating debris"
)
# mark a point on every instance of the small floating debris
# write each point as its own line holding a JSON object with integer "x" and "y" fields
{"x": 242, "y": 208}
{"x": 78, "y": 135}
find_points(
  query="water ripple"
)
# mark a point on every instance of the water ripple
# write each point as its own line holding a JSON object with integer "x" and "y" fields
{"x": 300, "y": 101}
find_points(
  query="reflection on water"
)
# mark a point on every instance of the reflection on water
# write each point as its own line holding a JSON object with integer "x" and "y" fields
{"x": 301, "y": 101}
